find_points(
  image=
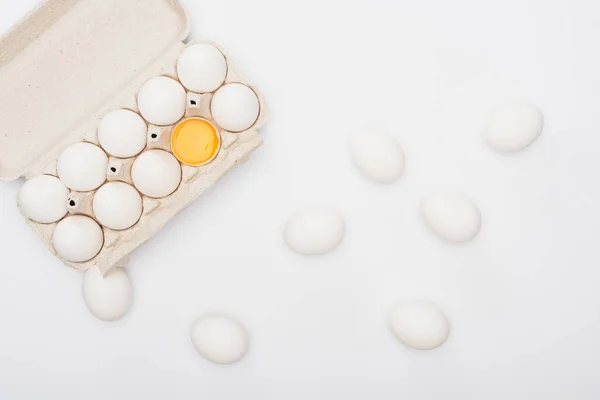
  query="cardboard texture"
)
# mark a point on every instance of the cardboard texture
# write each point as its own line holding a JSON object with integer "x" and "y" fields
{"x": 65, "y": 65}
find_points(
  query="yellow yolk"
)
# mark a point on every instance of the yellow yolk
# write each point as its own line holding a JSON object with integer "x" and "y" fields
{"x": 195, "y": 141}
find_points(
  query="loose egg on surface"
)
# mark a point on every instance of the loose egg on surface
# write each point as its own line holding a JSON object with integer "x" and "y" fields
{"x": 117, "y": 205}
{"x": 108, "y": 298}
{"x": 202, "y": 68}
{"x": 420, "y": 325}
{"x": 77, "y": 238}
{"x": 451, "y": 215}
{"x": 315, "y": 231}
{"x": 235, "y": 107}
{"x": 122, "y": 133}
{"x": 161, "y": 101}
{"x": 156, "y": 173}
{"x": 219, "y": 339}
{"x": 82, "y": 167}
{"x": 43, "y": 199}
{"x": 514, "y": 127}
{"x": 379, "y": 157}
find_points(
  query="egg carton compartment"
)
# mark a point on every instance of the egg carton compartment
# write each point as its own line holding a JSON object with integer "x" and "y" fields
{"x": 234, "y": 148}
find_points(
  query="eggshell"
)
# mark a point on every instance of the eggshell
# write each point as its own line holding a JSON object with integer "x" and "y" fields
{"x": 235, "y": 107}
{"x": 202, "y": 68}
{"x": 451, "y": 215}
{"x": 514, "y": 127}
{"x": 315, "y": 231}
{"x": 77, "y": 238}
{"x": 156, "y": 173}
{"x": 219, "y": 339}
{"x": 122, "y": 133}
{"x": 377, "y": 156}
{"x": 420, "y": 325}
{"x": 43, "y": 199}
{"x": 108, "y": 298}
{"x": 117, "y": 205}
{"x": 82, "y": 167}
{"x": 162, "y": 100}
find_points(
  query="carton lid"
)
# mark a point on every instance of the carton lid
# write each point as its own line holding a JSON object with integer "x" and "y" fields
{"x": 65, "y": 60}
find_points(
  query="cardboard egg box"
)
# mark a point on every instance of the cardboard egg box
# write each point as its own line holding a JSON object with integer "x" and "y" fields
{"x": 68, "y": 63}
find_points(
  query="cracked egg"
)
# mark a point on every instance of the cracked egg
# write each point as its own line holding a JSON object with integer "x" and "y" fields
{"x": 195, "y": 141}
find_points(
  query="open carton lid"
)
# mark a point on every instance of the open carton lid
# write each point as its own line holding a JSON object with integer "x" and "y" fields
{"x": 68, "y": 62}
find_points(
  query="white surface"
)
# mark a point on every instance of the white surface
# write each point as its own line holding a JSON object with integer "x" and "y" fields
{"x": 523, "y": 295}
{"x": 122, "y": 133}
{"x": 107, "y": 298}
{"x": 161, "y": 100}
{"x": 219, "y": 339}
{"x": 77, "y": 238}
{"x": 314, "y": 231}
{"x": 378, "y": 156}
{"x": 513, "y": 127}
{"x": 82, "y": 167}
{"x": 451, "y": 215}
{"x": 420, "y": 325}
{"x": 202, "y": 68}
{"x": 43, "y": 199}
{"x": 235, "y": 107}
{"x": 156, "y": 173}
{"x": 117, "y": 205}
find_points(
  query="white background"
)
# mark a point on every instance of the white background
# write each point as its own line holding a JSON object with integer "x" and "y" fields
{"x": 522, "y": 297}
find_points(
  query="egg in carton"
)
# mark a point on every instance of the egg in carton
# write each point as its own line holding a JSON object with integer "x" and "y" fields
{"x": 199, "y": 117}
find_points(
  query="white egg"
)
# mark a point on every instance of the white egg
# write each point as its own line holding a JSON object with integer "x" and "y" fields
{"x": 82, "y": 167}
{"x": 514, "y": 127}
{"x": 108, "y": 298}
{"x": 202, "y": 68}
{"x": 77, "y": 238}
{"x": 315, "y": 231}
{"x": 43, "y": 199}
{"x": 156, "y": 173}
{"x": 451, "y": 215}
{"x": 235, "y": 107}
{"x": 161, "y": 101}
{"x": 122, "y": 133}
{"x": 379, "y": 157}
{"x": 420, "y": 325}
{"x": 117, "y": 205}
{"x": 219, "y": 339}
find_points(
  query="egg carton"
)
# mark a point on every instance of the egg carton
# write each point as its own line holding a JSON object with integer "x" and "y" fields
{"x": 83, "y": 34}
